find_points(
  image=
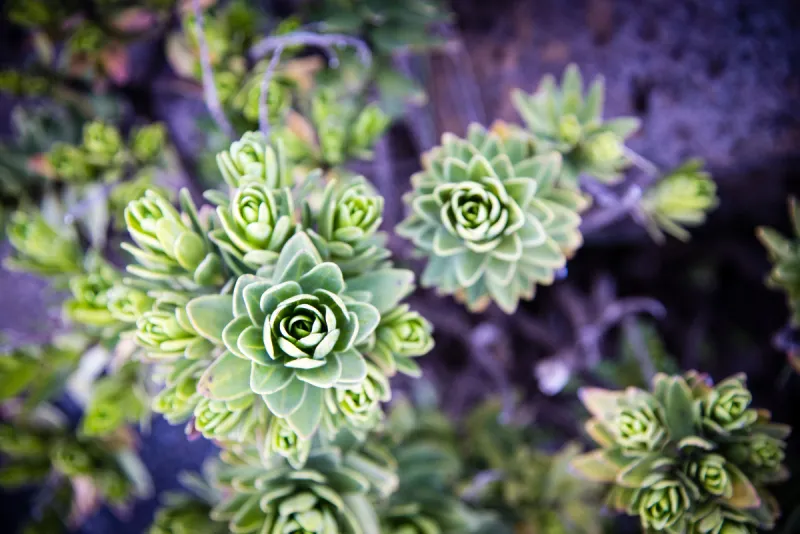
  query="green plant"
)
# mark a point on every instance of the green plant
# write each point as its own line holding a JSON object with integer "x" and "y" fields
{"x": 489, "y": 213}
{"x": 686, "y": 456}
{"x": 571, "y": 123}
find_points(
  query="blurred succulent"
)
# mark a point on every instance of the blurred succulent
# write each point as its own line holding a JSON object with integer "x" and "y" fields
{"x": 40, "y": 248}
{"x": 386, "y": 26}
{"x": 490, "y": 215}
{"x": 147, "y": 142}
{"x": 169, "y": 251}
{"x": 69, "y": 163}
{"x": 38, "y": 446}
{"x": 102, "y": 144}
{"x": 246, "y": 100}
{"x": 185, "y": 514}
{"x": 117, "y": 399}
{"x": 344, "y": 130}
{"x": 681, "y": 198}
{"x": 565, "y": 120}
{"x": 86, "y": 39}
{"x": 427, "y": 461}
{"x": 684, "y": 447}
{"x": 90, "y": 293}
{"x": 293, "y": 335}
{"x": 346, "y": 230}
{"x": 326, "y": 497}
{"x": 36, "y": 373}
{"x": 785, "y": 256}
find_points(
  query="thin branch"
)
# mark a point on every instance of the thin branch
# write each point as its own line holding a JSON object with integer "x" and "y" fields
{"x": 263, "y": 104}
{"x": 613, "y": 211}
{"x": 277, "y": 44}
{"x": 209, "y": 87}
{"x": 328, "y": 41}
{"x": 641, "y": 162}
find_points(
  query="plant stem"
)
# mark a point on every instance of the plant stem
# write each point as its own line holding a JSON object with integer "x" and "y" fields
{"x": 209, "y": 88}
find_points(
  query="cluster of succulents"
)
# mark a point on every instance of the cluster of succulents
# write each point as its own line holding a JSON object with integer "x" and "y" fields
{"x": 84, "y": 472}
{"x": 687, "y": 456}
{"x": 273, "y": 318}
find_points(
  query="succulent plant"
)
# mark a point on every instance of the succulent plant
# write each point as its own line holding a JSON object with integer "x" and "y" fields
{"x": 69, "y": 163}
{"x": 291, "y": 336}
{"x": 90, "y": 293}
{"x": 41, "y": 248}
{"x": 169, "y": 250}
{"x": 38, "y": 445}
{"x": 117, "y": 399}
{"x": 325, "y": 497}
{"x": 567, "y": 121}
{"x": 147, "y": 142}
{"x": 183, "y": 514}
{"x": 165, "y": 331}
{"x": 255, "y": 226}
{"x": 681, "y": 198}
{"x": 102, "y": 144}
{"x": 785, "y": 256}
{"x": 488, "y": 213}
{"x": 346, "y": 230}
{"x": 681, "y": 454}
{"x": 254, "y": 159}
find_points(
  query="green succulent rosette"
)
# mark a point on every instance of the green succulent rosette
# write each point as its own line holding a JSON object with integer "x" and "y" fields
{"x": 255, "y": 226}
{"x": 117, "y": 399}
{"x": 401, "y": 336}
{"x": 681, "y": 198}
{"x": 90, "y": 294}
{"x": 165, "y": 331}
{"x": 147, "y": 143}
{"x": 346, "y": 230}
{"x": 248, "y": 96}
{"x": 570, "y": 122}
{"x": 254, "y": 159}
{"x": 325, "y": 497}
{"x": 288, "y": 338}
{"x": 490, "y": 217}
{"x": 169, "y": 250}
{"x": 784, "y": 253}
{"x": 358, "y": 407}
{"x": 680, "y": 455}
{"x": 70, "y": 163}
{"x": 726, "y": 408}
{"x": 103, "y": 145}
{"x": 40, "y": 248}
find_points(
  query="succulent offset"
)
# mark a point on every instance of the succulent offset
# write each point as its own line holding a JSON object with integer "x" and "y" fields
{"x": 687, "y": 456}
{"x": 490, "y": 216}
{"x": 680, "y": 198}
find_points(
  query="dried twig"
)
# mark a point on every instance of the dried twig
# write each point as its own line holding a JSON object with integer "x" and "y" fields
{"x": 209, "y": 87}
{"x": 641, "y": 162}
{"x": 329, "y": 42}
{"x": 613, "y": 212}
{"x": 263, "y": 104}
{"x": 277, "y": 44}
